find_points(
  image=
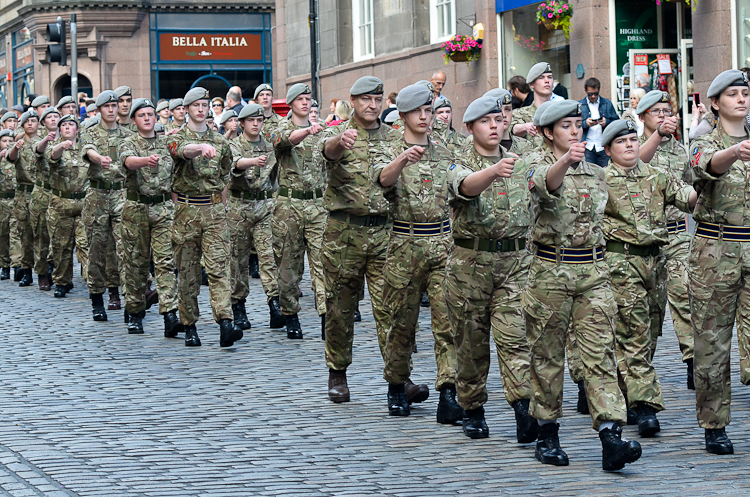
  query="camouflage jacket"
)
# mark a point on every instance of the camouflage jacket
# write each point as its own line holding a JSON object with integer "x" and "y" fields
{"x": 104, "y": 142}
{"x": 7, "y": 176}
{"x": 147, "y": 180}
{"x": 500, "y": 211}
{"x": 300, "y": 166}
{"x": 672, "y": 158}
{"x": 351, "y": 188}
{"x": 69, "y": 173}
{"x": 171, "y": 126}
{"x": 526, "y": 115}
{"x": 722, "y": 199}
{"x": 269, "y": 126}
{"x": 448, "y": 136}
{"x": 420, "y": 194}
{"x": 199, "y": 176}
{"x": 130, "y": 126}
{"x": 42, "y": 168}
{"x": 253, "y": 178}
{"x": 636, "y": 209}
{"x": 572, "y": 215}
{"x": 26, "y": 162}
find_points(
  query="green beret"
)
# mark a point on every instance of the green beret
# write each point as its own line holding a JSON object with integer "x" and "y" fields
{"x": 621, "y": 127}
{"x": 426, "y": 84}
{"x": 412, "y": 97}
{"x": 501, "y": 94}
{"x": 481, "y": 107}
{"x": 40, "y": 100}
{"x": 367, "y": 85}
{"x": 105, "y": 97}
{"x": 159, "y": 128}
{"x": 6, "y": 132}
{"x": 90, "y": 108}
{"x": 260, "y": 88}
{"x": 226, "y": 115}
{"x": 537, "y": 70}
{"x": 9, "y": 115}
{"x": 195, "y": 94}
{"x": 161, "y": 106}
{"x": 650, "y": 99}
{"x": 251, "y": 110}
{"x": 48, "y": 111}
{"x": 26, "y": 116}
{"x": 69, "y": 118}
{"x": 176, "y": 102}
{"x": 140, "y": 103}
{"x": 726, "y": 79}
{"x": 539, "y": 111}
{"x": 296, "y": 90}
{"x": 441, "y": 102}
{"x": 559, "y": 110}
{"x": 122, "y": 91}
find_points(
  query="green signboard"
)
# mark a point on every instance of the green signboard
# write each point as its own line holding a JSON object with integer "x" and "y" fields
{"x": 635, "y": 22}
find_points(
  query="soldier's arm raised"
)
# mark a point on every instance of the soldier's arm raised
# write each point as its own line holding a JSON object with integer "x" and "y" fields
{"x": 477, "y": 182}
{"x": 390, "y": 173}
{"x": 722, "y": 160}
{"x": 336, "y": 146}
{"x": 556, "y": 173}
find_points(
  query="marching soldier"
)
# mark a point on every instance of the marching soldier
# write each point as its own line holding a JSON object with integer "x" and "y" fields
{"x": 229, "y": 122}
{"x": 67, "y": 106}
{"x": 541, "y": 81}
{"x": 7, "y": 194}
{"x": 162, "y": 110}
{"x": 510, "y": 142}
{"x": 263, "y": 96}
{"x": 442, "y": 125}
{"x": 9, "y": 121}
{"x": 177, "y": 109}
{"x": 124, "y": 103}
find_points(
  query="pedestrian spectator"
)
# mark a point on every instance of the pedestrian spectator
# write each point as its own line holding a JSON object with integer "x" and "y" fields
{"x": 391, "y": 106}
{"x": 82, "y": 104}
{"x": 332, "y": 115}
{"x": 560, "y": 90}
{"x": 217, "y": 105}
{"x": 642, "y": 81}
{"x": 438, "y": 83}
{"x": 635, "y": 96}
{"x": 597, "y": 112}
{"x": 521, "y": 92}
{"x": 233, "y": 100}
{"x": 344, "y": 112}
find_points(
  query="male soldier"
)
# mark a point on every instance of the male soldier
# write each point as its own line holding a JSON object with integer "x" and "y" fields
{"x": 669, "y": 155}
{"x": 91, "y": 111}
{"x": 254, "y": 176}
{"x": 510, "y": 142}
{"x": 7, "y": 194}
{"x": 414, "y": 172}
{"x": 40, "y": 104}
{"x": 67, "y": 106}
{"x": 69, "y": 180}
{"x": 124, "y": 103}
{"x": 162, "y": 110}
{"x": 203, "y": 163}
{"x": 442, "y": 126}
{"x": 102, "y": 211}
{"x": 541, "y": 81}
{"x": 298, "y": 217}
{"x": 177, "y": 108}
{"x": 147, "y": 221}
{"x": 264, "y": 97}
{"x": 9, "y": 121}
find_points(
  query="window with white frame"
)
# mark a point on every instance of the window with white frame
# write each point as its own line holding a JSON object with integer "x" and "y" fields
{"x": 364, "y": 38}
{"x": 442, "y": 20}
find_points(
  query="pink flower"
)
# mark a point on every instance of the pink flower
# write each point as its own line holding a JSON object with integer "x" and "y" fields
{"x": 549, "y": 15}
{"x": 559, "y": 11}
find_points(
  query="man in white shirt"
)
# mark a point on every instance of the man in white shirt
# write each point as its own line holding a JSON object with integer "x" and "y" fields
{"x": 597, "y": 112}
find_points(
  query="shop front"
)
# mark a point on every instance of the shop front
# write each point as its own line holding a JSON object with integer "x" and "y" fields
{"x": 23, "y": 65}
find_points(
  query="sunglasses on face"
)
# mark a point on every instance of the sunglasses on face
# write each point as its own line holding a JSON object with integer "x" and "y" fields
{"x": 592, "y": 94}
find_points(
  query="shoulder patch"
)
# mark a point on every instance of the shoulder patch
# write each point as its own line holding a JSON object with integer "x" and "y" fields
{"x": 531, "y": 173}
{"x": 695, "y": 150}
{"x": 453, "y": 166}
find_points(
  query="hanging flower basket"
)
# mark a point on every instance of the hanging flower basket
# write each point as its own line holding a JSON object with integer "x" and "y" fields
{"x": 461, "y": 48}
{"x": 555, "y": 14}
{"x": 459, "y": 57}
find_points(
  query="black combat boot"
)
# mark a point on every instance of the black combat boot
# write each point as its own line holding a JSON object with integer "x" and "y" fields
{"x": 357, "y": 315}
{"x": 416, "y": 393}
{"x": 5, "y": 273}
{"x": 583, "y": 404}
{"x": 717, "y": 442}
{"x": 425, "y": 300}
{"x": 229, "y": 333}
{"x": 397, "y": 404}
{"x": 28, "y": 277}
{"x": 172, "y": 324}
{"x": 254, "y": 267}
{"x": 548, "y": 450}
{"x": 526, "y": 425}
{"x": 293, "y": 328}
{"x": 323, "y": 327}
{"x": 126, "y": 316}
{"x": 690, "y": 377}
{"x": 60, "y": 291}
{"x": 204, "y": 277}
{"x": 616, "y": 452}
{"x": 191, "y": 336}
{"x": 277, "y": 319}
{"x": 69, "y": 287}
{"x": 240, "y": 315}
{"x": 115, "y": 303}
{"x": 135, "y": 326}
{"x": 474, "y": 424}
{"x": 97, "y": 307}
{"x": 448, "y": 410}
{"x": 17, "y": 274}
{"x": 648, "y": 425}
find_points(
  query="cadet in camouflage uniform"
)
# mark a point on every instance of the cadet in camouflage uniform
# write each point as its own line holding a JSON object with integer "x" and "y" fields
{"x": 541, "y": 81}
{"x": 40, "y": 104}
{"x": 202, "y": 167}
{"x": 177, "y": 108}
{"x": 263, "y": 96}
{"x": 147, "y": 221}
{"x": 487, "y": 270}
{"x": 69, "y": 181}
{"x": 569, "y": 285}
{"x": 720, "y": 256}
{"x": 442, "y": 126}
{"x": 254, "y": 180}
{"x": 7, "y": 194}
{"x": 635, "y": 227}
{"x": 67, "y": 106}
{"x": 162, "y": 110}
{"x": 414, "y": 172}
{"x": 298, "y": 217}
{"x": 124, "y": 104}
{"x": 9, "y": 121}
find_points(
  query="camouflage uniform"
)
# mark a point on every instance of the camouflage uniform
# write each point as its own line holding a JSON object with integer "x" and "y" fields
{"x": 200, "y": 230}
{"x": 416, "y": 262}
{"x": 171, "y": 126}
{"x": 25, "y": 176}
{"x": 298, "y": 217}
{"x": 7, "y": 194}
{"x": 719, "y": 269}
{"x": 635, "y": 223}
{"x": 270, "y": 124}
{"x": 448, "y": 136}
{"x": 560, "y": 295}
{"x": 146, "y": 229}
{"x": 486, "y": 272}
{"x": 249, "y": 214}
{"x": 40, "y": 199}
{"x": 526, "y": 115}
{"x": 355, "y": 239}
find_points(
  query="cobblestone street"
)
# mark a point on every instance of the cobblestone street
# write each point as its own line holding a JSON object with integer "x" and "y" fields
{"x": 89, "y": 410}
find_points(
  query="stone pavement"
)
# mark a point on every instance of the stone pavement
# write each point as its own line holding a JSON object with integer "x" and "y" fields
{"x": 89, "y": 410}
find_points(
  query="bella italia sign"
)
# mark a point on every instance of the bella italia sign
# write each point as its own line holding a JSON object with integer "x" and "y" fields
{"x": 209, "y": 46}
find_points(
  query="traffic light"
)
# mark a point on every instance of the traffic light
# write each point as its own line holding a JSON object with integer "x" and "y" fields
{"x": 56, "y": 49}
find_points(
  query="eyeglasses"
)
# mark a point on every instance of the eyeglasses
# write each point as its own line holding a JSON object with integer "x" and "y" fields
{"x": 592, "y": 94}
{"x": 217, "y": 105}
{"x": 657, "y": 112}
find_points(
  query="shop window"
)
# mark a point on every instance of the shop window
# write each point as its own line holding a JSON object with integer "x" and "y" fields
{"x": 363, "y": 33}
{"x": 442, "y": 20}
{"x": 743, "y": 28}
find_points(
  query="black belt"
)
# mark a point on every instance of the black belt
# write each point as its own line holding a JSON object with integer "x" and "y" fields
{"x": 251, "y": 195}
{"x": 358, "y": 220}
{"x": 10, "y": 194}
{"x": 300, "y": 194}
{"x": 726, "y": 232}
{"x": 148, "y": 199}
{"x": 489, "y": 245}
{"x": 214, "y": 198}
{"x": 676, "y": 227}
{"x": 630, "y": 249}
{"x": 577, "y": 255}
{"x": 68, "y": 195}
{"x": 43, "y": 184}
{"x": 105, "y": 185}
{"x": 25, "y": 188}
{"x": 422, "y": 229}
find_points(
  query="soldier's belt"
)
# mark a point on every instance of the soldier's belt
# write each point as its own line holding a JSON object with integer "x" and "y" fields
{"x": 105, "y": 185}
{"x": 358, "y": 220}
{"x": 251, "y": 195}
{"x": 421, "y": 229}
{"x": 6, "y": 195}
{"x": 726, "y": 232}
{"x": 214, "y": 198}
{"x": 148, "y": 199}
{"x": 68, "y": 195}
{"x": 43, "y": 184}
{"x": 676, "y": 227}
{"x": 25, "y": 188}
{"x": 577, "y": 255}
{"x": 630, "y": 249}
{"x": 489, "y": 245}
{"x": 300, "y": 194}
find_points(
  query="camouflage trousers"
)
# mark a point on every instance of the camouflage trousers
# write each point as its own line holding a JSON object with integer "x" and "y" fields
{"x": 15, "y": 239}
{"x": 6, "y": 206}
{"x": 82, "y": 247}
{"x": 558, "y": 296}
{"x": 202, "y": 232}
{"x": 483, "y": 293}
{"x": 351, "y": 253}
{"x": 719, "y": 295}
{"x": 250, "y": 226}
{"x": 413, "y": 265}
{"x": 298, "y": 225}
{"x": 26, "y": 235}
{"x": 112, "y": 266}
{"x": 64, "y": 219}
{"x": 102, "y": 215}
{"x": 677, "y": 252}
{"x": 639, "y": 285}
{"x": 147, "y": 232}
{"x": 38, "y": 210}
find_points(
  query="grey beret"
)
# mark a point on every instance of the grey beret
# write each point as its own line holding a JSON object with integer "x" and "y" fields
{"x": 159, "y": 128}
{"x": 391, "y": 117}
{"x": 89, "y": 123}
{"x": 539, "y": 111}
{"x": 6, "y": 132}
{"x": 195, "y": 94}
{"x": 314, "y": 103}
{"x": 122, "y": 91}
{"x": 48, "y": 111}
{"x": 67, "y": 99}
{"x": 537, "y": 70}
{"x": 176, "y": 102}
{"x": 227, "y": 115}
{"x": 367, "y": 85}
{"x": 726, "y": 79}
{"x": 8, "y": 115}
{"x": 162, "y": 105}
{"x": 481, "y": 107}
{"x": 251, "y": 110}
{"x": 260, "y": 88}
{"x": 426, "y": 84}
{"x": 19, "y": 108}
{"x": 105, "y": 97}
{"x": 296, "y": 90}
{"x": 72, "y": 119}
{"x": 501, "y": 94}
{"x": 90, "y": 108}
{"x": 26, "y": 116}
{"x": 650, "y": 99}
{"x": 412, "y": 97}
{"x": 621, "y": 127}
{"x": 559, "y": 110}
{"x": 40, "y": 100}
{"x": 140, "y": 103}
{"x": 441, "y": 102}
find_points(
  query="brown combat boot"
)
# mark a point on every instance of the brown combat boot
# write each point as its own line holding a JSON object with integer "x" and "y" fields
{"x": 114, "y": 299}
{"x": 44, "y": 282}
{"x": 338, "y": 390}
{"x": 416, "y": 393}
{"x": 152, "y": 297}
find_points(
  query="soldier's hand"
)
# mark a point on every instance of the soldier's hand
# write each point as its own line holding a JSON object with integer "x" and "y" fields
{"x": 172, "y": 132}
{"x": 669, "y": 125}
{"x": 413, "y": 154}
{"x": 531, "y": 129}
{"x": 52, "y": 136}
{"x": 348, "y": 138}
{"x": 262, "y": 160}
{"x": 67, "y": 144}
{"x": 105, "y": 161}
{"x": 153, "y": 160}
{"x": 576, "y": 153}
{"x": 743, "y": 150}
{"x": 208, "y": 151}
{"x": 314, "y": 129}
{"x": 19, "y": 144}
{"x": 504, "y": 168}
